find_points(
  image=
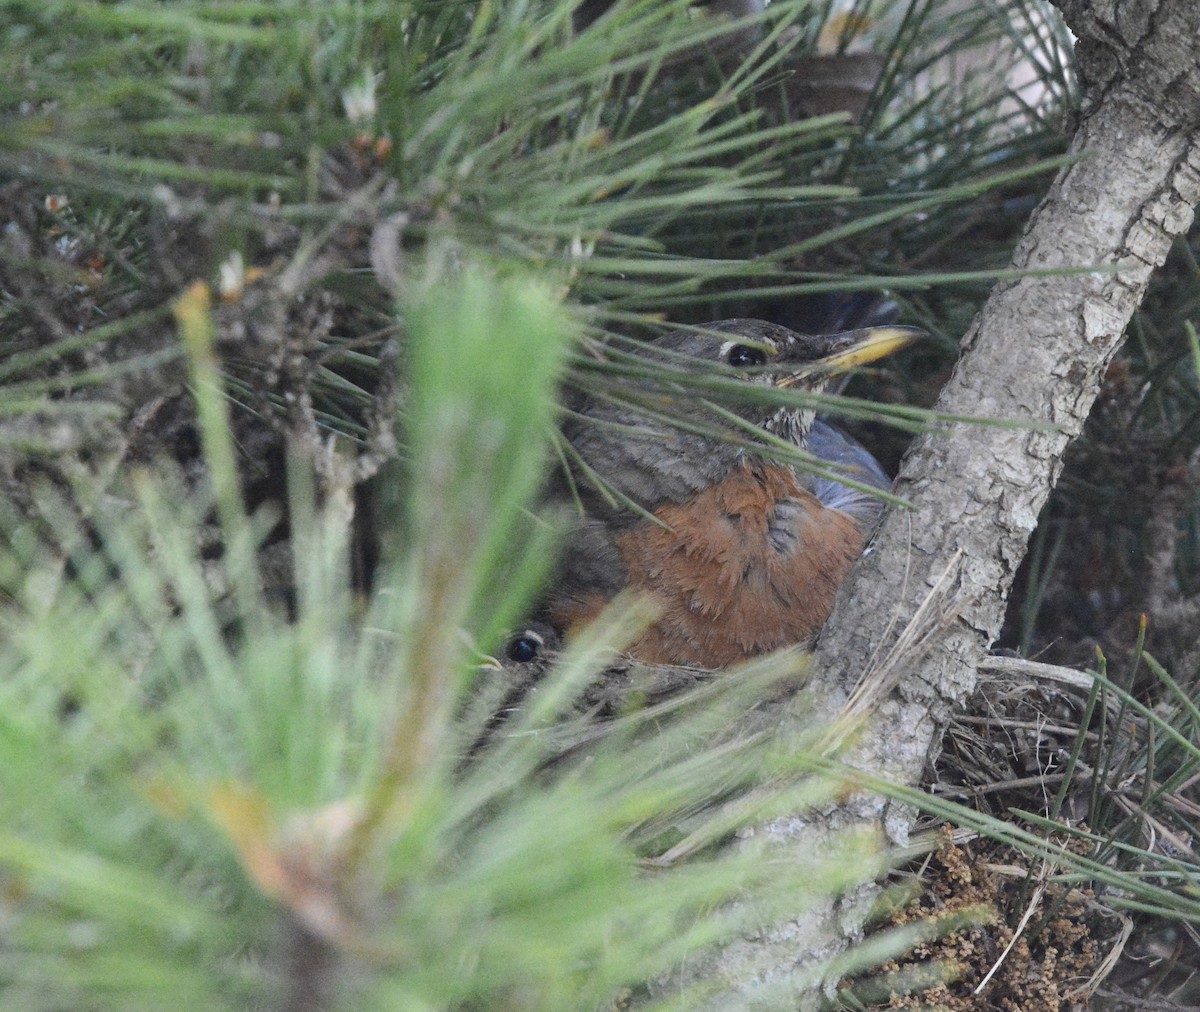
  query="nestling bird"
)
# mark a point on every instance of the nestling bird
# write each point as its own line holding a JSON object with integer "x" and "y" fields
{"x": 748, "y": 553}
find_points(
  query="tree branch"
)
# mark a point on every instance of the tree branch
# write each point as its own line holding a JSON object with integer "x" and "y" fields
{"x": 1035, "y": 356}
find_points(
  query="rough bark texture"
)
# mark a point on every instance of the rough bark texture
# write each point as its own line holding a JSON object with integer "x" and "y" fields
{"x": 1036, "y": 354}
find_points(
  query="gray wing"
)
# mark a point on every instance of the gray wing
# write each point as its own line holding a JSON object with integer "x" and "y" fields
{"x": 851, "y": 457}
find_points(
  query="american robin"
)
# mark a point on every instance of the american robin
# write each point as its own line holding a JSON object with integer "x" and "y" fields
{"x": 744, "y": 554}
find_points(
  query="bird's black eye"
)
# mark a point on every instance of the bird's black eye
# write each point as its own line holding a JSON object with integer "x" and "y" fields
{"x": 524, "y": 648}
{"x": 743, "y": 356}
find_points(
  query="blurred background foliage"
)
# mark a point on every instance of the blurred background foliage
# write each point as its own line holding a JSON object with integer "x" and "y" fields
{"x": 451, "y": 213}
{"x": 214, "y": 799}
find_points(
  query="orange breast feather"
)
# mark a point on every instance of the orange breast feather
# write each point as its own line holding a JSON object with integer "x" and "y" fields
{"x": 747, "y": 566}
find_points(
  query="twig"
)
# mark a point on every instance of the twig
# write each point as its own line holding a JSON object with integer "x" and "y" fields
{"x": 1108, "y": 963}
{"x": 1034, "y": 901}
{"x": 1036, "y": 669}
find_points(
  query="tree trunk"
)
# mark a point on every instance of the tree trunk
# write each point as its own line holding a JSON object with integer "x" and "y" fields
{"x": 1035, "y": 355}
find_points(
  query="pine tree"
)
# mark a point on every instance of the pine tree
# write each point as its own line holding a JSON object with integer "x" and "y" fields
{"x": 291, "y": 297}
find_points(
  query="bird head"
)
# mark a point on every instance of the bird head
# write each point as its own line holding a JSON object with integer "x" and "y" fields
{"x": 770, "y": 355}
{"x": 650, "y": 463}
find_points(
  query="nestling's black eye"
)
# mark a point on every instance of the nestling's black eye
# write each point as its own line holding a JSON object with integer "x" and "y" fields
{"x": 743, "y": 356}
{"x": 524, "y": 648}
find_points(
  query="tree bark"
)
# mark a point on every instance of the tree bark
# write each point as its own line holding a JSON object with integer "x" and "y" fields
{"x": 1035, "y": 356}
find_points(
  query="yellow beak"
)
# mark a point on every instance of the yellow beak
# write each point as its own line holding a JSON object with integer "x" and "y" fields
{"x": 853, "y": 348}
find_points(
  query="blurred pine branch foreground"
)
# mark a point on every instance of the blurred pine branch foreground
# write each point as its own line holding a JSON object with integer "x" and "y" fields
{"x": 292, "y": 299}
